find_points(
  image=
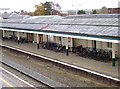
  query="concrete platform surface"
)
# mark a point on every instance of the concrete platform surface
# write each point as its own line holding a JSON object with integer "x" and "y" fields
{"x": 101, "y": 67}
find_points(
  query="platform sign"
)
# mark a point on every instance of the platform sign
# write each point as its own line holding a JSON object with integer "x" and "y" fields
{"x": 63, "y": 41}
{"x": 69, "y": 41}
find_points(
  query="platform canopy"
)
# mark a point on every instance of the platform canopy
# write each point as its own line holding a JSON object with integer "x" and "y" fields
{"x": 79, "y": 29}
{"x": 98, "y": 25}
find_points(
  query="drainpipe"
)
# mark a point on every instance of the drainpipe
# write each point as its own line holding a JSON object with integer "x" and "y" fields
{"x": 3, "y": 35}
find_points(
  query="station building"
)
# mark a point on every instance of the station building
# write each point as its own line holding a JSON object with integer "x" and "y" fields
{"x": 98, "y": 31}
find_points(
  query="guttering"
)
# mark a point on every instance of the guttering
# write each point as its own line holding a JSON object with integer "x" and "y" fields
{"x": 66, "y": 34}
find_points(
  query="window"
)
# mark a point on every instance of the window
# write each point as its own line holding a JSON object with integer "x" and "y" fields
{"x": 109, "y": 45}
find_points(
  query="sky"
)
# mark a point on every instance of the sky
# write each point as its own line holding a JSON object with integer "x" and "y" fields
{"x": 28, "y": 5}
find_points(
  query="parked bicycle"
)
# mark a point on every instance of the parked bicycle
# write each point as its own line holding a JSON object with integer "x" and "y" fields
{"x": 91, "y": 53}
{"x": 53, "y": 46}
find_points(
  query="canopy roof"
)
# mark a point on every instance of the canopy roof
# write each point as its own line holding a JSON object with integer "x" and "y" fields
{"x": 99, "y": 24}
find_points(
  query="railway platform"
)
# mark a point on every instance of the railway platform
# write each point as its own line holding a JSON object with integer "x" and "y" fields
{"x": 97, "y": 66}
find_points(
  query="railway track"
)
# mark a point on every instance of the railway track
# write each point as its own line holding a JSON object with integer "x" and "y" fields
{"x": 82, "y": 71}
{"x": 26, "y": 78}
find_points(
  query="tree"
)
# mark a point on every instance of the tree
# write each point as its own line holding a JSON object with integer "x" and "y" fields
{"x": 94, "y": 12}
{"x": 40, "y": 10}
{"x": 47, "y": 8}
{"x": 51, "y": 7}
{"x": 81, "y": 12}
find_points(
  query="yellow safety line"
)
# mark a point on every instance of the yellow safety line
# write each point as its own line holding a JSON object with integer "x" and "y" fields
{"x": 7, "y": 83}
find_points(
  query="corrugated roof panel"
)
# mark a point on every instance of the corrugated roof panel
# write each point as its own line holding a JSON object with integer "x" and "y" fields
{"x": 23, "y": 26}
{"x": 60, "y": 20}
{"x": 92, "y": 16}
{"x": 93, "y": 30}
{"x": 84, "y": 24}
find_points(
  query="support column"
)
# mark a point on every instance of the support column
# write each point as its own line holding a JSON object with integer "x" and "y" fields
{"x": 37, "y": 41}
{"x": 95, "y": 45}
{"x": 66, "y": 42}
{"x": 113, "y": 54}
{"x": 18, "y": 37}
{"x": 3, "y": 33}
{"x": 47, "y": 38}
{"x": 119, "y": 52}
